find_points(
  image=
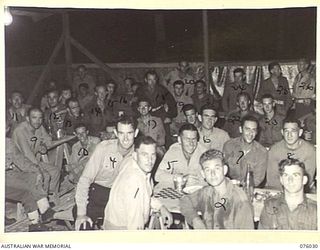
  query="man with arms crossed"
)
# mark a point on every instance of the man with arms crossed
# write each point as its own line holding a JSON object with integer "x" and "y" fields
{"x": 94, "y": 185}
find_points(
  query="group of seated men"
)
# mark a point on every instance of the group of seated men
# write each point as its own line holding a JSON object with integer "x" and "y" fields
{"x": 121, "y": 142}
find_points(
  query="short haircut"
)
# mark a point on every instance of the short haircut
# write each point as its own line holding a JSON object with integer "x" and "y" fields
{"x": 200, "y": 81}
{"x": 151, "y": 72}
{"x": 65, "y": 87}
{"x": 210, "y": 155}
{"x": 188, "y": 107}
{"x": 33, "y": 109}
{"x": 291, "y": 120}
{"x": 72, "y": 99}
{"x": 16, "y": 92}
{"x": 306, "y": 60}
{"x": 239, "y": 70}
{"x": 83, "y": 85}
{"x": 249, "y": 118}
{"x": 272, "y": 65}
{"x": 189, "y": 127}
{"x": 54, "y": 90}
{"x": 267, "y": 96}
{"x": 147, "y": 140}
{"x": 127, "y": 120}
{"x": 129, "y": 78}
{"x": 178, "y": 82}
{"x": 81, "y": 66}
{"x": 110, "y": 81}
{"x": 100, "y": 85}
{"x": 208, "y": 106}
{"x": 243, "y": 94}
{"x": 80, "y": 125}
{"x": 289, "y": 162}
{"x": 143, "y": 99}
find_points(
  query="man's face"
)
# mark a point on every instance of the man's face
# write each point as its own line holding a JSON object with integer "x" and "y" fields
{"x": 191, "y": 116}
{"x": 82, "y": 72}
{"x": 151, "y": 80}
{"x": 125, "y": 134}
{"x": 183, "y": 66}
{"x": 243, "y": 103}
{"x": 291, "y": 133}
{"x": 189, "y": 141}
{"x": 74, "y": 109}
{"x": 249, "y": 131}
{"x": 143, "y": 108}
{"x": 53, "y": 99}
{"x": 292, "y": 179}
{"x": 276, "y": 71}
{"x": 128, "y": 84}
{"x": 200, "y": 88}
{"x": 209, "y": 118}
{"x": 16, "y": 100}
{"x": 111, "y": 88}
{"x": 178, "y": 89}
{"x": 146, "y": 157}
{"x": 213, "y": 171}
{"x": 35, "y": 119}
{"x": 302, "y": 65}
{"x": 83, "y": 91}
{"x": 82, "y": 134}
{"x": 66, "y": 94}
{"x": 238, "y": 77}
{"x": 268, "y": 105}
{"x": 101, "y": 92}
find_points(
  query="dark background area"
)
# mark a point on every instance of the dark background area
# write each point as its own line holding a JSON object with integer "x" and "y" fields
{"x": 119, "y": 36}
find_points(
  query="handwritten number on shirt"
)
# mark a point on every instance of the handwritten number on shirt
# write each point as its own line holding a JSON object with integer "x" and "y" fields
{"x": 306, "y": 86}
{"x": 83, "y": 152}
{"x": 241, "y": 155}
{"x": 282, "y": 90}
{"x": 113, "y": 161}
{"x": 206, "y": 140}
{"x": 289, "y": 155}
{"x": 152, "y": 122}
{"x": 169, "y": 164}
{"x": 34, "y": 140}
{"x": 271, "y": 122}
{"x": 221, "y": 204}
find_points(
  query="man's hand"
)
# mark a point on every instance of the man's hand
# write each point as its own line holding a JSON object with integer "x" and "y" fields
{"x": 82, "y": 219}
{"x": 166, "y": 216}
{"x": 198, "y": 223}
{"x": 43, "y": 149}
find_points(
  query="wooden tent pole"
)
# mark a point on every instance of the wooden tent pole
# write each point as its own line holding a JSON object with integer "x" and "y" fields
{"x": 67, "y": 48}
{"x": 206, "y": 47}
{"x": 95, "y": 59}
{"x": 46, "y": 70}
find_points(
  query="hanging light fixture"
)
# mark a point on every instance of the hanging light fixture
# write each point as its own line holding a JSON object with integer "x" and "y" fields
{"x": 7, "y": 16}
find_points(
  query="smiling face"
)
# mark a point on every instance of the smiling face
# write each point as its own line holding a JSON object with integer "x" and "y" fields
{"x": 200, "y": 88}
{"x": 209, "y": 118}
{"x": 249, "y": 131}
{"x": 146, "y": 157}
{"x": 189, "y": 141}
{"x": 191, "y": 116}
{"x": 125, "y": 134}
{"x": 101, "y": 92}
{"x": 82, "y": 135}
{"x": 291, "y": 133}
{"x": 214, "y": 171}
{"x": 293, "y": 179}
{"x": 144, "y": 108}
{"x": 238, "y": 77}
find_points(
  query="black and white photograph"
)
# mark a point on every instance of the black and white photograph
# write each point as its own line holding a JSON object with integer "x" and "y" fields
{"x": 160, "y": 119}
